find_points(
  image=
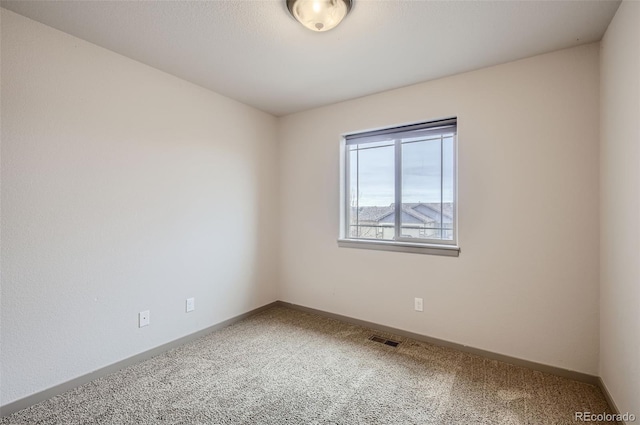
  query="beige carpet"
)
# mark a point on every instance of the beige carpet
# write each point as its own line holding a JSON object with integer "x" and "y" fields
{"x": 284, "y": 366}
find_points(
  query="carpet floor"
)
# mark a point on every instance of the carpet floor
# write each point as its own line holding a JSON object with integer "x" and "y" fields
{"x": 285, "y": 366}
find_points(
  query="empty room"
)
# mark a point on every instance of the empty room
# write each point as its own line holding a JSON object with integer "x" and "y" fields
{"x": 320, "y": 211}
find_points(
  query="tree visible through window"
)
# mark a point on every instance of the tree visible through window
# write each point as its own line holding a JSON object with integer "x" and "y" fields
{"x": 401, "y": 184}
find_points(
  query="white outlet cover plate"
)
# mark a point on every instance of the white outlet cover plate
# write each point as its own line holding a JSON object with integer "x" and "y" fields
{"x": 144, "y": 318}
{"x": 191, "y": 304}
{"x": 418, "y": 304}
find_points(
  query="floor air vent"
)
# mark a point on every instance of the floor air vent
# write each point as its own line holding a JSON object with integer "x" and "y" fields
{"x": 384, "y": 341}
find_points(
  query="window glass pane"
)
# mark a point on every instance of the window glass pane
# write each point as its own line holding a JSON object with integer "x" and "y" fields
{"x": 422, "y": 193}
{"x": 353, "y": 193}
{"x": 448, "y": 189}
{"x": 371, "y": 191}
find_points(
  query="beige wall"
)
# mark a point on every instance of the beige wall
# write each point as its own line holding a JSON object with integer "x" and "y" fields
{"x": 123, "y": 189}
{"x": 526, "y": 281}
{"x": 620, "y": 207}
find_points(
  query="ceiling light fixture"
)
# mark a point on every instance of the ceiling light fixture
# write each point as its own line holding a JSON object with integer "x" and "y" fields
{"x": 319, "y": 15}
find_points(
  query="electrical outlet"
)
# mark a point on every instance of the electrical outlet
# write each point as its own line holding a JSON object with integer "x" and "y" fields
{"x": 417, "y": 304}
{"x": 143, "y": 318}
{"x": 191, "y": 304}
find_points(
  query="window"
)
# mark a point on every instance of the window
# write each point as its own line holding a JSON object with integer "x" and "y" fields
{"x": 400, "y": 189}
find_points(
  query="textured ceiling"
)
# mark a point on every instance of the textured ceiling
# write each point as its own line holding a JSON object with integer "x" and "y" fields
{"x": 254, "y": 51}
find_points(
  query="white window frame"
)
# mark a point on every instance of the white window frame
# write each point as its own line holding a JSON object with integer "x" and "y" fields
{"x": 399, "y": 243}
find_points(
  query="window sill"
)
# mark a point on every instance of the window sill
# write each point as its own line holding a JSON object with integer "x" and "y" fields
{"x": 416, "y": 248}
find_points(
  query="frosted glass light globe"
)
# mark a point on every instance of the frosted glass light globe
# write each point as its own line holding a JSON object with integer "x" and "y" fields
{"x": 319, "y": 15}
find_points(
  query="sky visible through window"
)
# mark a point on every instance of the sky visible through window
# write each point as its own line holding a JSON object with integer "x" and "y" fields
{"x": 372, "y": 172}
